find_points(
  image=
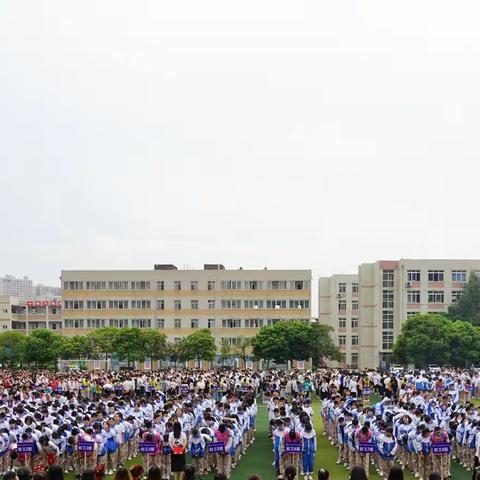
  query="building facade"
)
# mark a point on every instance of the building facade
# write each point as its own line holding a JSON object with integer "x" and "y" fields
{"x": 21, "y": 288}
{"x": 231, "y": 303}
{"x": 388, "y": 293}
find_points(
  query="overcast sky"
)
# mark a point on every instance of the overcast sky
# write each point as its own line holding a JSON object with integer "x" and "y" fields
{"x": 301, "y": 134}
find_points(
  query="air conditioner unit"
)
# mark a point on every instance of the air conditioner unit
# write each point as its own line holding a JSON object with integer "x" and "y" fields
{"x": 408, "y": 284}
{"x": 339, "y": 295}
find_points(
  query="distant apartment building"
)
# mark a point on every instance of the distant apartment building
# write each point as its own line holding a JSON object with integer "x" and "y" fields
{"x": 27, "y": 315}
{"x": 231, "y": 303}
{"x": 46, "y": 292}
{"x": 21, "y": 288}
{"x": 388, "y": 293}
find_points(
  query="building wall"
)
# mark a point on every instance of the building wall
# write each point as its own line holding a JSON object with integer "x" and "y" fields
{"x": 387, "y": 296}
{"x": 201, "y": 307}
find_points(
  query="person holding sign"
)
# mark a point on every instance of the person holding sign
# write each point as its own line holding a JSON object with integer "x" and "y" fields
{"x": 224, "y": 459}
{"x": 151, "y": 455}
{"x": 292, "y": 449}
{"x": 440, "y": 451}
{"x": 363, "y": 437}
{"x": 178, "y": 444}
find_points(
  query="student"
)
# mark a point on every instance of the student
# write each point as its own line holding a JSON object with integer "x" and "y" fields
{"x": 178, "y": 444}
{"x": 290, "y": 472}
{"x": 358, "y": 473}
{"x": 289, "y": 438}
{"x": 309, "y": 447}
{"x": 224, "y": 459}
{"x": 323, "y": 474}
{"x": 196, "y": 447}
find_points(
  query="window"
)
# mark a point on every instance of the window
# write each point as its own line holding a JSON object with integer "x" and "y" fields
{"x": 211, "y": 304}
{"x": 96, "y": 304}
{"x": 354, "y": 287}
{"x": 177, "y": 323}
{"x": 355, "y": 305}
{"x": 253, "y": 304}
{"x": 387, "y": 299}
{"x": 231, "y": 323}
{"x": 456, "y": 294}
{"x": 194, "y": 304}
{"x": 413, "y": 296}
{"x": 354, "y": 361}
{"x": 177, "y": 285}
{"x": 277, "y": 285}
{"x": 231, "y": 341}
{"x": 253, "y": 285}
{"x": 342, "y": 288}
{"x": 459, "y": 275}
{"x": 95, "y": 322}
{"x": 73, "y": 304}
{"x": 354, "y": 339}
{"x": 387, "y": 340}
{"x": 194, "y": 285}
{"x": 118, "y": 322}
{"x": 141, "y": 323}
{"x": 413, "y": 275}
{"x": 276, "y": 304}
{"x": 410, "y": 314}
{"x": 177, "y": 340}
{"x": 141, "y": 304}
{"x": 95, "y": 285}
{"x": 73, "y": 323}
{"x": 435, "y": 296}
{"x": 435, "y": 275}
{"x": 118, "y": 285}
{"x": 160, "y": 304}
{"x": 254, "y": 322}
{"x": 231, "y": 304}
{"x": 342, "y": 340}
{"x": 73, "y": 285}
{"x": 231, "y": 285}
{"x": 342, "y": 305}
{"x": 299, "y": 304}
{"x": 177, "y": 304}
{"x": 388, "y": 278}
{"x": 343, "y": 359}
{"x": 118, "y": 304}
{"x": 194, "y": 323}
{"x": 140, "y": 285}
{"x": 299, "y": 285}
{"x": 354, "y": 322}
{"x": 211, "y": 323}
{"x": 387, "y": 320}
{"x": 342, "y": 322}
{"x": 160, "y": 323}
{"x": 211, "y": 285}
{"x": 160, "y": 285}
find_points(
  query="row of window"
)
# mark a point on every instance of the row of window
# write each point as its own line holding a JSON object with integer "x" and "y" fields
{"x": 342, "y": 322}
{"x": 160, "y": 323}
{"x": 342, "y": 340}
{"x": 193, "y": 285}
{"x": 104, "y": 304}
{"x": 353, "y": 359}
{"x": 434, "y": 296}
{"x": 342, "y": 305}
{"x": 342, "y": 287}
{"x": 437, "y": 275}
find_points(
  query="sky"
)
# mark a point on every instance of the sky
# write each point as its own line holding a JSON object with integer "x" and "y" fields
{"x": 289, "y": 134}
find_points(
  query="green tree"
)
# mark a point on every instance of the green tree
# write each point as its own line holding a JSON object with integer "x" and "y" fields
{"x": 78, "y": 346}
{"x": 322, "y": 344}
{"x": 154, "y": 344}
{"x": 104, "y": 341}
{"x": 43, "y": 348}
{"x": 464, "y": 344}
{"x": 467, "y": 307}
{"x": 225, "y": 350}
{"x": 269, "y": 344}
{"x": 424, "y": 339}
{"x": 199, "y": 345}
{"x": 242, "y": 348}
{"x": 12, "y": 348}
{"x": 173, "y": 353}
{"x": 129, "y": 345}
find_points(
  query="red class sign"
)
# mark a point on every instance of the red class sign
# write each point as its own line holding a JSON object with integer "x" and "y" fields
{"x": 43, "y": 303}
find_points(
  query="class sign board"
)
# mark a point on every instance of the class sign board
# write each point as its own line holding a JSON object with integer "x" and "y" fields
{"x": 293, "y": 447}
{"x": 25, "y": 447}
{"x": 147, "y": 447}
{"x": 216, "y": 447}
{"x": 86, "y": 447}
{"x": 366, "y": 447}
{"x": 440, "y": 448}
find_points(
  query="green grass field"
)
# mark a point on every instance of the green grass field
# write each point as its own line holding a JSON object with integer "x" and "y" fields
{"x": 259, "y": 456}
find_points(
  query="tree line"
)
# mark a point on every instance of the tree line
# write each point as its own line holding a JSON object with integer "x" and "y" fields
{"x": 444, "y": 339}
{"x": 286, "y": 340}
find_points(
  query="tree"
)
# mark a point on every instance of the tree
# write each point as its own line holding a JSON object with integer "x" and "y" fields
{"x": 129, "y": 345}
{"x": 243, "y": 345}
{"x": 43, "y": 347}
{"x": 12, "y": 348}
{"x": 154, "y": 344}
{"x": 269, "y": 344}
{"x": 104, "y": 340}
{"x": 173, "y": 353}
{"x": 424, "y": 339}
{"x": 225, "y": 350}
{"x": 467, "y": 307}
{"x": 78, "y": 346}
{"x": 199, "y": 345}
{"x": 322, "y": 344}
{"x": 464, "y": 344}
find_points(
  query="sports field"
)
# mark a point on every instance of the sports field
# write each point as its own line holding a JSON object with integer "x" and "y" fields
{"x": 259, "y": 456}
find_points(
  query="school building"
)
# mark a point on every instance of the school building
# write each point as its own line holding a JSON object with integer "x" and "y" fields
{"x": 366, "y": 309}
{"x": 231, "y": 303}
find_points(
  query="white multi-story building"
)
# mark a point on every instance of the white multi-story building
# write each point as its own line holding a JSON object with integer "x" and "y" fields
{"x": 21, "y": 288}
{"x": 388, "y": 293}
{"x": 232, "y": 303}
